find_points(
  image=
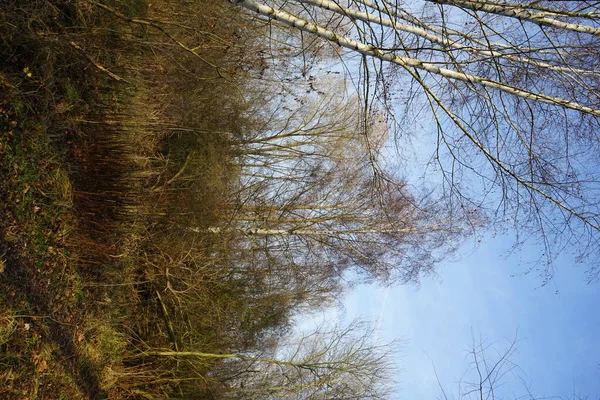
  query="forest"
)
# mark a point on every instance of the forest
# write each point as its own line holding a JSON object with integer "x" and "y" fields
{"x": 182, "y": 181}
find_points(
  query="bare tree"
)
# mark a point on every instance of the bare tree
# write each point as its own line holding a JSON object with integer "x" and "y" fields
{"x": 312, "y": 201}
{"x": 329, "y": 363}
{"x": 512, "y": 93}
{"x": 493, "y": 373}
{"x": 489, "y": 369}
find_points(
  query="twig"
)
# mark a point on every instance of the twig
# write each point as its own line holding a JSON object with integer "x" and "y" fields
{"x": 168, "y": 323}
{"x": 100, "y": 67}
{"x": 177, "y": 175}
{"x": 159, "y": 28}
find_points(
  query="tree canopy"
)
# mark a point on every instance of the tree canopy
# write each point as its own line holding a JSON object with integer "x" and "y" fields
{"x": 511, "y": 89}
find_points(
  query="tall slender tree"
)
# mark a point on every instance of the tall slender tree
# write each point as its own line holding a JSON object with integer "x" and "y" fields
{"x": 313, "y": 197}
{"x": 328, "y": 363}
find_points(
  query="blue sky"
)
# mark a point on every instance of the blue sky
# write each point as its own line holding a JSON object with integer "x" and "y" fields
{"x": 486, "y": 295}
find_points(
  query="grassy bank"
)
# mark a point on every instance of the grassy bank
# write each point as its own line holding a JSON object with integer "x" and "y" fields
{"x": 110, "y": 145}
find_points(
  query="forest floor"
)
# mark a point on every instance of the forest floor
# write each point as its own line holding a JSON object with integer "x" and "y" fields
{"x": 41, "y": 295}
{"x": 85, "y": 164}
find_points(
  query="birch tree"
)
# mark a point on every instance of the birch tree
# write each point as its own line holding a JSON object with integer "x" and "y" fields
{"x": 511, "y": 90}
{"x": 313, "y": 198}
{"x": 328, "y": 363}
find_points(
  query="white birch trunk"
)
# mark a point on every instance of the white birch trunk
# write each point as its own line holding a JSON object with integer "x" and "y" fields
{"x": 446, "y": 43}
{"x": 521, "y": 13}
{"x": 318, "y": 232}
{"x": 408, "y": 62}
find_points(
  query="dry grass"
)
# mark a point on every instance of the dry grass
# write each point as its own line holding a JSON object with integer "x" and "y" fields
{"x": 112, "y": 149}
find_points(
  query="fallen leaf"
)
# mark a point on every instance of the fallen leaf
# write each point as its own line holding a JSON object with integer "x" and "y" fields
{"x": 42, "y": 366}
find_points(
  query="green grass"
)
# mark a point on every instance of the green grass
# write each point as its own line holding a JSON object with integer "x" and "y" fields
{"x": 45, "y": 89}
{"x": 33, "y": 226}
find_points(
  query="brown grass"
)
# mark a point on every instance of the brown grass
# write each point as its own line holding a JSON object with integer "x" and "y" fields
{"x": 115, "y": 141}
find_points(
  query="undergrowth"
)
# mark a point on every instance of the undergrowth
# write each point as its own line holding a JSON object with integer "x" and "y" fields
{"x": 110, "y": 150}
